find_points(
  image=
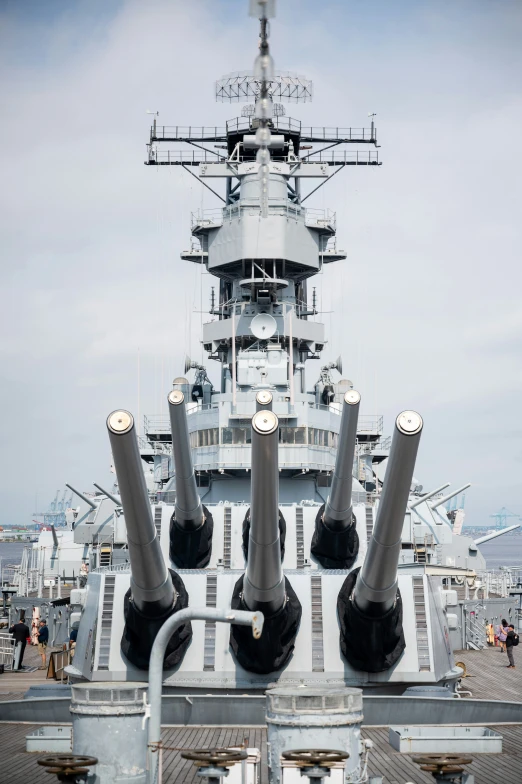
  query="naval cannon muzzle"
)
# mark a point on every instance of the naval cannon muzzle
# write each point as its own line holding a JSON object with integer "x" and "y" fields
{"x": 369, "y": 603}
{"x": 191, "y": 525}
{"x": 264, "y": 586}
{"x": 155, "y": 592}
{"x": 335, "y": 542}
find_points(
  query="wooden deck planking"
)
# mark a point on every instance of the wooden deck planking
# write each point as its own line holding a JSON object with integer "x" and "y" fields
{"x": 19, "y": 767}
{"x": 491, "y": 679}
{"x": 14, "y": 684}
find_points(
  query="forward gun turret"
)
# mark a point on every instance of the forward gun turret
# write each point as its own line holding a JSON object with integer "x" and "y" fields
{"x": 369, "y": 603}
{"x": 264, "y": 586}
{"x": 191, "y": 523}
{"x": 155, "y": 592}
{"x": 335, "y": 542}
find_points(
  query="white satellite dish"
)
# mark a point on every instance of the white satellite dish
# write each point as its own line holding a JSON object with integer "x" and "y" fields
{"x": 263, "y": 326}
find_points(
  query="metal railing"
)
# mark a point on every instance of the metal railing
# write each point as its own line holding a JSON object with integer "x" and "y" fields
{"x": 343, "y": 157}
{"x": 180, "y": 132}
{"x": 195, "y": 157}
{"x": 474, "y": 630}
{"x": 6, "y": 650}
{"x": 315, "y": 217}
{"x": 241, "y": 124}
{"x": 156, "y": 423}
{"x": 350, "y": 134}
{"x": 186, "y": 157}
{"x": 244, "y": 124}
{"x": 123, "y": 567}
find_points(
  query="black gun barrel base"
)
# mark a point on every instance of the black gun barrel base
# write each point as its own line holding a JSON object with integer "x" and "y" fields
{"x": 334, "y": 549}
{"x": 275, "y": 646}
{"x": 191, "y": 549}
{"x": 141, "y": 629}
{"x": 368, "y": 643}
{"x": 246, "y": 534}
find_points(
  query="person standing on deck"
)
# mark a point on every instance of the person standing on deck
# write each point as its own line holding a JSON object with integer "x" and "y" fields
{"x": 511, "y": 641}
{"x": 43, "y": 639}
{"x": 21, "y": 634}
{"x": 502, "y": 634}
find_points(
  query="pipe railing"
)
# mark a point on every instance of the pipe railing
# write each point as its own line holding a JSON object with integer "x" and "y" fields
{"x": 240, "y": 617}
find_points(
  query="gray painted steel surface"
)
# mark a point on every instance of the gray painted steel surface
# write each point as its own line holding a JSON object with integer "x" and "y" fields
{"x": 109, "y": 723}
{"x": 50, "y": 739}
{"x": 445, "y": 740}
{"x": 314, "y": 718}
{"x": 238, "y": 710}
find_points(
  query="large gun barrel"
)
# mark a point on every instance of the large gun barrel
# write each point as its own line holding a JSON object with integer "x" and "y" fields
{"x": 88, "y": 501}
{"x": 264, "y": 586}
{"x": 427, "y": 496}
{"x": 376, "y": 587}
{"x": 451, "y": 495}
{"x": 338, "y": 510}
{"x": 189, "y": 512}
{"x": 369, "y": 604}
{"x": 335, "y": 542}
{"x": 192, "y": 524}
{"x": 264, "y": 400}
{"x": 151, "y": 585}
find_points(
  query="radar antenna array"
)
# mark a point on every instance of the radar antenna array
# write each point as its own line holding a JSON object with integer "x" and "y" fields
{"x": 245, "y": 86}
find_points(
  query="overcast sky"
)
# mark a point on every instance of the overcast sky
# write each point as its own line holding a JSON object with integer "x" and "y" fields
{"x": 428, "y": 304}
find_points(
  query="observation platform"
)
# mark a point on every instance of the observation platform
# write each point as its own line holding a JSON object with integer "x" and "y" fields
{"x": 195, "y": 158}
{"x": 241, "y": 125}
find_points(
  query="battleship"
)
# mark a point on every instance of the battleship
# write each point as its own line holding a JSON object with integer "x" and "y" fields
{"x": 267, "y": 555}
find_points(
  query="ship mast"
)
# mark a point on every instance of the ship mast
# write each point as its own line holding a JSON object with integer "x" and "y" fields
{"x": 263, "y": 244}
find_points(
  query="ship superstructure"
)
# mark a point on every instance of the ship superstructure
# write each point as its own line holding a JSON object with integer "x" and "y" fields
{"x": 269, "y": 493}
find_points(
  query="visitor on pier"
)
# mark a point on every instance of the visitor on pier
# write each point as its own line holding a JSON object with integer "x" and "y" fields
{"x": 43, "y": 639}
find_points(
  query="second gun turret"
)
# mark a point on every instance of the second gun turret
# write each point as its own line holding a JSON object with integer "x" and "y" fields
{"x": 155, "y": 592}
{"x": 264, "y": 586}
{"x": 191, "y": 524}
{"x": 335, "y": 542}
{"x": 369, "y": 603}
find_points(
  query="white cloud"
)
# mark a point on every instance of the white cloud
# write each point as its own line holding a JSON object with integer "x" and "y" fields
{"x": 427, "y": 314}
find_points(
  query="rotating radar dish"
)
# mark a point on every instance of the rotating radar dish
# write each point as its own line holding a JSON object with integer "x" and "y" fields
{"x": 263, "y": 326}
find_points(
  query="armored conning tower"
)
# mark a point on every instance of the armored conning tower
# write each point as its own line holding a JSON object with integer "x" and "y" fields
{"x": 266, "y": 489}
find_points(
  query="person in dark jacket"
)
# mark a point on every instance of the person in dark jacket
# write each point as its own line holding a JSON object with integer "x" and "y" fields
{"x": 511, "y": 637}
{"x": 21, "y": 633}
{"x": 43, "y": 639}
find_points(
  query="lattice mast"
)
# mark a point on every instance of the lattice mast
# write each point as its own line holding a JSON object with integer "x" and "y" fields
{"x": 263, "y": 245}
